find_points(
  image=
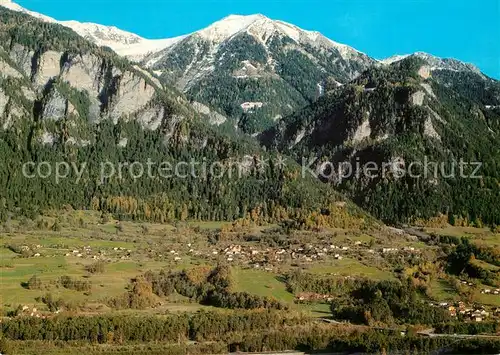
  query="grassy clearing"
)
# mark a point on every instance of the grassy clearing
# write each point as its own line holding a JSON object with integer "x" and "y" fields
{"x": 267, "y": 284}
{"x": 442, "y": 290}
{"x": 490, "y": 239}
{"x": 482, "y": 235}
{"x": 350, "y": 267}
{"x": 261, "y": 283}
{"x": 317, "y": 310}
{"x": 484, "y": 265}
{"x": 111, "y": 283}
{"x": 208, "y": 225}
{"x": 491, "y": 300}
{"x": 459, "y": 231}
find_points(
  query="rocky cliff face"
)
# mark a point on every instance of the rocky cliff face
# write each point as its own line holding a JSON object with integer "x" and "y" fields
{"x": 57, "y": 86}
{"x": 70, "y": 80}
{"x": 113, "y": 92}
{"x": 412, "y": 129}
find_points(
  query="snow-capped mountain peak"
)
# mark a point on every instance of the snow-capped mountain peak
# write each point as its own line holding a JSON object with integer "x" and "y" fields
{"x": 15, "y": 7}
{"x": 215, "y": 63}
{"x": 102, "y": 33}
{"x": 137, "y": 48}
{"x": 122, "y": 42}
{"x": 224, "y": 29}
{"x": 262, "y": 28}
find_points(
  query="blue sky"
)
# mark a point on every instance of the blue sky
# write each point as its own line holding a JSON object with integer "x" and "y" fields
{"x": 468, "y": 30}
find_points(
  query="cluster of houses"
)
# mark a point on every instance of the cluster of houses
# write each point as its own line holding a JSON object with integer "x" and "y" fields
{"x": 85, "y": 253}
{"x": 488, "y": 291}
{"x": 467, "y": 283}
{"x": 28, "y": 311}
{"x": 175, "y": 254}
{"x": 251, "y": 255}
{"x": 259, "y": 257}
{"x": 268, "y": 257}
{"x": 471, "y": 313}
{"x": 88, "y": 253}
{"x": 31, "y": 251}
{"x": 397, "y": 250}
{"x": 306, "y": 297}
{"x": 254, "y": 256}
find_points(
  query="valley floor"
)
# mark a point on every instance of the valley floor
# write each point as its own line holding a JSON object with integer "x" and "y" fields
{"x": 81, "y": 263}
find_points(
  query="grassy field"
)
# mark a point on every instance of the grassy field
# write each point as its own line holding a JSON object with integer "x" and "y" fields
{"x": 318, "y": 310}
{"x": 108, "y": 284}
{"x": 261, "y": 283}
{"x": 459, "y": 231}
{"x": 267, "y": 284}
{"x": 56, "y": 257}
{"x": 492, "y": 300}
{"x": 484, "y": 235}
{"x": 484, "y": 265}
{"x": 208, "y": 225}
{"x": 443, "y": 291}
{"x": 129, "y": 249}
{"x": 350, "y": 267}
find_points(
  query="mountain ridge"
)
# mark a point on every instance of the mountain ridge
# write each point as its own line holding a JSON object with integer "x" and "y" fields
{"x": 136, "y": 47}
{"x": 122, "y": 42}
{"x": 436, "y": 63}
{"x": 64, "y": 99}
{"x": 143, "y": 46}
{"x": 247, "y": 22}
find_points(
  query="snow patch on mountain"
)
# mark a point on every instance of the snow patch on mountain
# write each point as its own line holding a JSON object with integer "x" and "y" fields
{"x": 122, "y": 42}
{"x": 394, "y": 59}
{"x": 138, "y": 51}
{"x": 262, "y": 28}
{"x": 259, "y": 26}
{"x": 138, "y": 48}
{"x": 15, "y": 7}
{"x": 224, "y": 29}
{"x": 435, "y": 63}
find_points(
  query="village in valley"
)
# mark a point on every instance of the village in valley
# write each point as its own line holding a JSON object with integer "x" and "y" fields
{"x": 262, "y": 252}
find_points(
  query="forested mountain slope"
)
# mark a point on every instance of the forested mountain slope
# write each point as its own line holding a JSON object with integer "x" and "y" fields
{"x": 255, "y": 70}
{"x": 62, "y": 99}
{"x": 406, "y": 112}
